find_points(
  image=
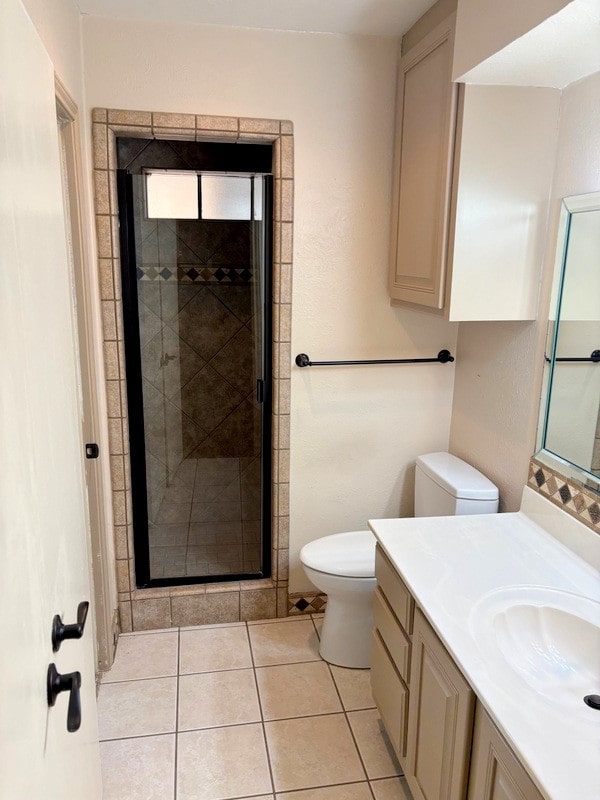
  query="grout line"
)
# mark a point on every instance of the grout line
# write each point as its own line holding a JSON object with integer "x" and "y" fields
{"x": 177, "y": 715}
{"x": 262, "y": 716}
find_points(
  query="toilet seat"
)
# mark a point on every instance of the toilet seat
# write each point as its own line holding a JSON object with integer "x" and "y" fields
{"x": 349, "y": 555}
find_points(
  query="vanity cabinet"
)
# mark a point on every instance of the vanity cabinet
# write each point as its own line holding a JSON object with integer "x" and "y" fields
{"x": 496, "y": 774}
{"x": 473, "y": 169}
{"x": 448, "y": 747}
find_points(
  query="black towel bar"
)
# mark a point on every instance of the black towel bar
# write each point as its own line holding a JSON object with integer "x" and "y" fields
{"x": 443, "y": 357}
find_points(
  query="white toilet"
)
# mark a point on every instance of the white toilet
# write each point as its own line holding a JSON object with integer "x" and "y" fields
{"x": 343, "y": 565}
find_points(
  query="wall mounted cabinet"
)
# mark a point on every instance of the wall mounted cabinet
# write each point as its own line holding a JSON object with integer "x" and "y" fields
{"x": 448, "y": 747}
{"x": 472, "y": 176}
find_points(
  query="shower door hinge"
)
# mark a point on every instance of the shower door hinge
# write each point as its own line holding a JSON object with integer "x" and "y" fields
{"x": 260, "y": 391}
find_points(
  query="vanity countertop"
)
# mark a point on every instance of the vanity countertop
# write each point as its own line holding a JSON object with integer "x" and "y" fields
{"x": 461, "y": 572}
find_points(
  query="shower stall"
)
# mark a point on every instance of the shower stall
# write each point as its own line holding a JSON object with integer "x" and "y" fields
{"x": 195, "y": 232}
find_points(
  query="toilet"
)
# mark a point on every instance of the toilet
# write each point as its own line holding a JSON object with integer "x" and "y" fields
{"x": 342, "y": 565}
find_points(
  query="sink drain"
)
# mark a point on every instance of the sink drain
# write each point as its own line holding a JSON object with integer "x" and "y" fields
{"x": 592, "y": 700}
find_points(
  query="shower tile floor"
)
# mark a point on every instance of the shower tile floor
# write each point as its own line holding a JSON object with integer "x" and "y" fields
{"x": 207, "y": 521}
{"x": 245, "y": 710}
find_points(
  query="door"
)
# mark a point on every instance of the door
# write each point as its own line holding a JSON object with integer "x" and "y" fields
{"x": 44, "y": 562}
{"x": 440, "y": 720}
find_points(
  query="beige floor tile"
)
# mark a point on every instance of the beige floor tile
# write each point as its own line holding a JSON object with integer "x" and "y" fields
{"x": 347, "y": 791}
{"x": 354, "y": 686}
{"x": 375, "y": 748}
{"x": 222, "y": 763}
{"x": 312, "y": 751}
{"x": 391, "y": 789}
{"x": 137, "y": 708}
{"x": 297, "y": 690}
{"x": 319, "y": 625}
{"x": 275, "y": 643}
{"x": 211, "y": 699}
{"x": 144, "y": 655}
{"x": 211, "y": 649}
{"x": 154, "y": 775}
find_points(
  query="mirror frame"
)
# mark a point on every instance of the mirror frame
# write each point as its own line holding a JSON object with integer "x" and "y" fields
{"x": 574, "y": 472}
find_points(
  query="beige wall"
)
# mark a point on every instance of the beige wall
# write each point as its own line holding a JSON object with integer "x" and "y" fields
{"x": 355, "y": 432}
{"x": 483, "y": 27}
{"x": 499, "y": 365}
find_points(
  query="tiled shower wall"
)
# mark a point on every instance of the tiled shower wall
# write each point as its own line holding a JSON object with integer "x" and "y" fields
{"x": 142, "y": 609}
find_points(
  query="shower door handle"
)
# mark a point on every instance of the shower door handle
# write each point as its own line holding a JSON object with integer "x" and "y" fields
{"x": 260, "y": 391}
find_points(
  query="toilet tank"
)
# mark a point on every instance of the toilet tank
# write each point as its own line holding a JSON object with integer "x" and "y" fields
{"x": 447, "y": 486}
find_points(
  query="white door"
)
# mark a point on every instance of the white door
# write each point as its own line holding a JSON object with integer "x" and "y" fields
{"x": 44, "y": 564}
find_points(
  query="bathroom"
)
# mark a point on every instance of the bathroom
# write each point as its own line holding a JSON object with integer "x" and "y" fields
{"x": 349, "y": 438}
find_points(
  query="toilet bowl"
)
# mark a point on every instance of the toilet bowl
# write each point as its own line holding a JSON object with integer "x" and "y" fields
{"x": 342, "y": 565}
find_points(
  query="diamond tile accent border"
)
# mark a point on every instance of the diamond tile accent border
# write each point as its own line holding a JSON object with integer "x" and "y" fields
{"x": 305, "y": 603}
{"x": 144, "y": 609}
{"x": 581, "y": 503}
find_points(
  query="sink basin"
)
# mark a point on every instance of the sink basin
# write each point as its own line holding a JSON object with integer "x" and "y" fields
{"x": 548, "y": 638}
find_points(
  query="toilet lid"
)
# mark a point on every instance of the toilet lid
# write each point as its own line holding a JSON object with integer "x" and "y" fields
{"x": 345, "y": 554}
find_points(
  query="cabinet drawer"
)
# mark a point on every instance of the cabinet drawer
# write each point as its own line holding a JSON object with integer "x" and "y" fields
{"x": 392, "y": 634}
{"x": 390, "y": 695}
{"x": 395, "y": 591}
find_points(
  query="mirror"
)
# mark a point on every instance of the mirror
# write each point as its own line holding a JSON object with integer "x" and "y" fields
{"x": 570, "y": 429}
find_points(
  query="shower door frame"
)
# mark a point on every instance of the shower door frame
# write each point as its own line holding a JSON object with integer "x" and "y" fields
{"x": 192, "y": 604}
{"x": 135, "y": 404}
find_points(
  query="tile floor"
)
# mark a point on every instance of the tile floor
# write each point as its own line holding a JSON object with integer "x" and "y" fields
{"x": 244, "y": 710}
{"x": 207, "y": 520}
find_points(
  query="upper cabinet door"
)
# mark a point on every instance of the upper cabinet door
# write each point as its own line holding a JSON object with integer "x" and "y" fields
{"x": 425, "y": 130}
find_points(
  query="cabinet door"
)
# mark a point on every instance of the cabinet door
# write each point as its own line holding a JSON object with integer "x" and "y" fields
{"x": 440, "y": 720}
{"x": 495, "y": 772}
{"x": 425, "y": 129}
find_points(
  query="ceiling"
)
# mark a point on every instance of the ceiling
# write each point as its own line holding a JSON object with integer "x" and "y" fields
{"x": 369, "y": 17}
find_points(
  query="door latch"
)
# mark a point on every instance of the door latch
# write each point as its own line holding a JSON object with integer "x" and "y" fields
{"x": 68, "y": 682}
{"x": 92, "y": 450}
{"x": 60, "y": 631}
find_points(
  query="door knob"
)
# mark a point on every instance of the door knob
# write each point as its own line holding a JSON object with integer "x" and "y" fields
{"x": 68, "y": 682}
{"x": 60, "y": 631}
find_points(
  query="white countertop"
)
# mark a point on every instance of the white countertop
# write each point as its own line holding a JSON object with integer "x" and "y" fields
{"x": 451, "y": 565}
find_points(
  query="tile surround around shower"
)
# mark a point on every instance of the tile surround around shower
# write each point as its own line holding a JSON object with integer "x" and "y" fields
{"x": 142, "y": 609}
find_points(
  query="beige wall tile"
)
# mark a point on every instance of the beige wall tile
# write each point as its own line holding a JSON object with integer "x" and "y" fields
{"x": 283, "y": 559}
{"x": 283, "y": 475}
{"x": 284, "y": 433}
{"x": 261, "y": 583}
{"x": 134, "y": 131}
{"x": 283, "y": 527}
{"x": 276, "y": 322}
{"x": 285, "y": 283}
{"x": 99, "y": 115}
{"x": 181, "y": 134}
{"x": 113, "y": 398}
{"x": 286, "y": 126}
{"x": 112, "y": 149}
{"x": 121, "y": 549}
{"x": 117, "y": 278}
{"x": 284, "y": 396}
{"x": 119, "y": 509}
{"x": 286, "y": 242}
{"x": 282, "y": 602}
{"x": 129, "y": 117}
{"x": 253, "y": 125}
{"x": 103, "y": 237}
{"x": 111, "y": 360}
{"x": 115, "y": 436}
{"x": 114, "y": 232}
{"x": 109, "y": 324}
{"x": 209, "y": 123}
{"x": 225, "y": 586}
{"x": 161, "y": 120}
{"x": 117, "y": 472}
{"x": 204, "y": 609}
{"x": 100, "y": 146}
{"x": 125, "y": 616}
{"x": 105, "y": 271}
{"x": 285, "y": 322}
{"x": 258, "y": 604}
{"x": 216, "y": 136}
{"x": 287, "y": 156}
{"x": 151, "y": 614}
{"x": 101, "y": 195}
{"x": 112, "y": 192}
{"x": 287, "y": 200}
{"x": 123, "y": 575}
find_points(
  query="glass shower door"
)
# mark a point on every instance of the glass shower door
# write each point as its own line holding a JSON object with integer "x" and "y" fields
{"x": 199, "y": 405}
